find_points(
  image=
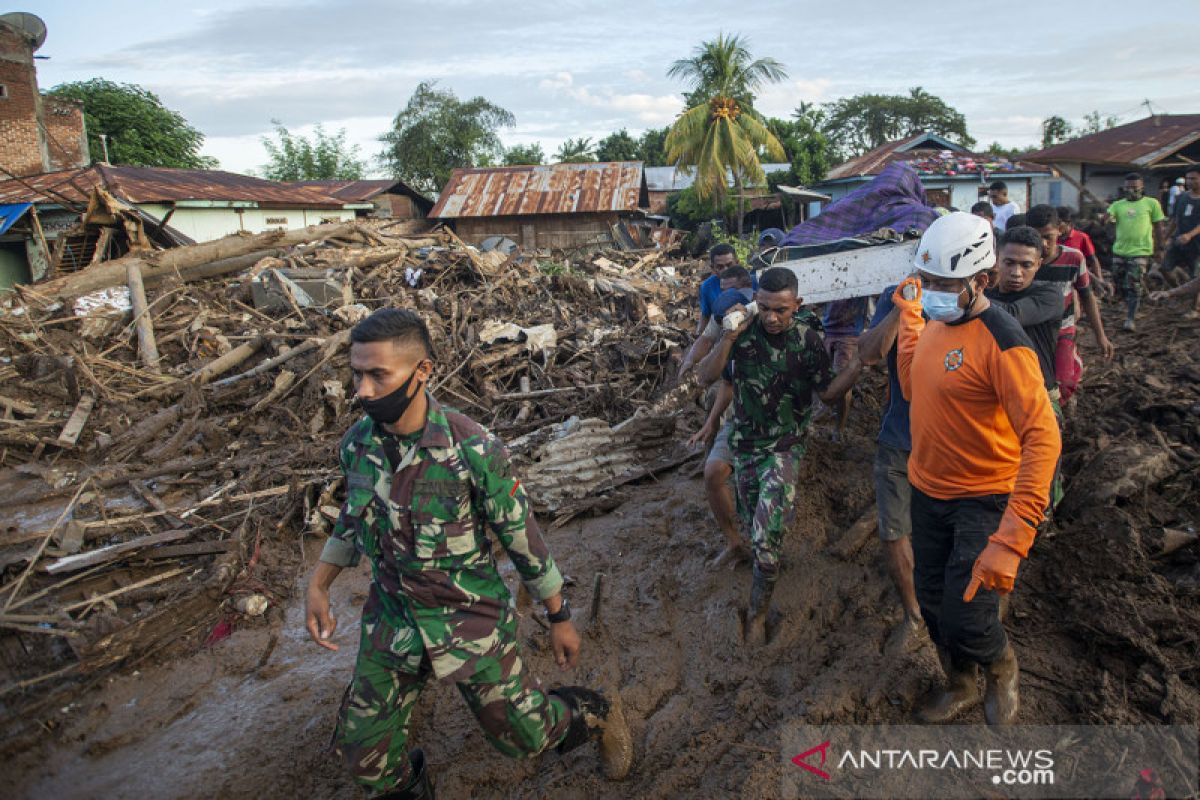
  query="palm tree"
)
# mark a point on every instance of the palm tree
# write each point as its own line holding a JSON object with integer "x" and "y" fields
{"x": 576, "y": 151}
{"x": 721, "y": 133}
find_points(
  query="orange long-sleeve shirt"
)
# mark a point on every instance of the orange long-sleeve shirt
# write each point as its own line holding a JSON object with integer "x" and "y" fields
{"x": 981, "y": 418}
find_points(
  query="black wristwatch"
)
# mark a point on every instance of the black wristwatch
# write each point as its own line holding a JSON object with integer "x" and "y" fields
{"x": 562, "y": 615}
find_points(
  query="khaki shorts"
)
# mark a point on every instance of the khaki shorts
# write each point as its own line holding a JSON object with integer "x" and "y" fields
{"x": 893, "y": 493}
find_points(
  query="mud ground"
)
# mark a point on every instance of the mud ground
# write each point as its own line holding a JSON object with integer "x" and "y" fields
{"x": 1106, "y": 631}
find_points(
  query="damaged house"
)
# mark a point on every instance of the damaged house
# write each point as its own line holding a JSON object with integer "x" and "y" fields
{"x": 555, "y": 206}
{"x": 47, "y": 234}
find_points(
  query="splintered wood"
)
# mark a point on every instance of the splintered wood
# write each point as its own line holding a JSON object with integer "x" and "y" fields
{"x": 196, "y": 424}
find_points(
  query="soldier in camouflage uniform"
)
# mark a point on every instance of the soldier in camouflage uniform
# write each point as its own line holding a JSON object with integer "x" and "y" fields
{"x": 776, "y": 361}
{"x": 423, "y": 486}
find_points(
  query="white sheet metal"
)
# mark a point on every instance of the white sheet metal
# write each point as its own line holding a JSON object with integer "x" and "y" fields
{"x": 855, "y": 273}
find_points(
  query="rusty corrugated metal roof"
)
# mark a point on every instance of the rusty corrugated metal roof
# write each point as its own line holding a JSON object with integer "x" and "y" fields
{"x": 1141, "y": 143}
{"x": 161, "y": 185}
{"x": 363, "y": 191}
{"x": 554, "y": 189}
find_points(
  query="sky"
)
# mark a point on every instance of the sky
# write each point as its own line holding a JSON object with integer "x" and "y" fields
{"x": 566, "y": 68}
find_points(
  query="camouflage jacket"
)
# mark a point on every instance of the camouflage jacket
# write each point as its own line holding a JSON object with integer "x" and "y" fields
{"x": 774, "y": 378}
{"x": 422, "y": 530}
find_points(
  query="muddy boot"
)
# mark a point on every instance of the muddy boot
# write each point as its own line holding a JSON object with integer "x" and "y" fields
{"x": 593, "y": 716}
{"x": 1001, "y": 699}
{"x": 419, "y": 787}
{"x": 756, "y": 616}
{"x": 960, "y": 693}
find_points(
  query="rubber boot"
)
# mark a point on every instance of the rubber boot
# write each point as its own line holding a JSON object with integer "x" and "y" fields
{"x": 419, "y": 787}
{"x": 960, "y": 693}
{"x": 592, "y": 717}
{"x": 760, "y": 604}
{"x": 1001, "y": 698}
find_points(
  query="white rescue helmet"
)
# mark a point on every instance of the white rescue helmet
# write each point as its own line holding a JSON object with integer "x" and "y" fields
{"x": 957, "y": 245}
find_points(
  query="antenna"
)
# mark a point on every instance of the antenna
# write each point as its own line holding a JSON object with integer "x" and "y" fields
{"x": 29, "y": 24}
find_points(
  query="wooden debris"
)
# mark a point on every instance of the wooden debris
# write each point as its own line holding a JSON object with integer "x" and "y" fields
{"x": 147, "y": 346}
{"x": 226, "y": 428}
{"x": 104, "y": 555}
{"x": 79, "y": 417}
{"x": 17, "y": 407}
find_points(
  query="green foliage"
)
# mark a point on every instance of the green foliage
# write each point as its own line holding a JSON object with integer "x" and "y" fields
{"x": 617, "y": 146}
{"x": 687, "y": 209}
{"x": 854, "y": 125}
{"x": 724, "y": 68}
{"x": 1054, "y": 130}
{"x": 1095, "y": 122}
{"x": 652, "y": 147}
{"x": 806, "y": 149}
{"x": 524, "y": 154}
{"x": 141, "y": 131}
{"x": 721, "y": 133}
{"x": 298, "y": 158}
{"x": 436, "y": 132}
{"x": 576, "y": 151}
{"x": 741, "y": 246}
{"x": 547, "y": 267}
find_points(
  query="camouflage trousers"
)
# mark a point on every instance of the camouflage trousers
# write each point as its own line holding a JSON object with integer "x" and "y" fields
{"x": 1056, "y": 485}
{"x": 518, "y": 718}
{"x": 766, "y": 502}
{"x": 1128, "y": 272}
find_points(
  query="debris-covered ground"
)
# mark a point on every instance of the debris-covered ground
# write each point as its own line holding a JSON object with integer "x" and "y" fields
{"x": 1104, "y": 619}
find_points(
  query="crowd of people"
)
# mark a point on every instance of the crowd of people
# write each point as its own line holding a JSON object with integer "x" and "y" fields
{"x": 980, "y": 350}
{"x": 981, "y": 357}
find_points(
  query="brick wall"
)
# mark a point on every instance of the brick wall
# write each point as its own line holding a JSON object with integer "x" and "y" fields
{"x": 21, "y": 150}
{"x": 66, "y": 140}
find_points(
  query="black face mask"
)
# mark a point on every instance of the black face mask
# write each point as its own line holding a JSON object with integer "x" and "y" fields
{"x": 390, "y": 408}
{"x": 1134, "y": 194}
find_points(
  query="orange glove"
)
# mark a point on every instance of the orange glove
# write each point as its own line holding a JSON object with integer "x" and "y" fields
{"x": 908, "y": 294}
{"x": 995, "y": 569}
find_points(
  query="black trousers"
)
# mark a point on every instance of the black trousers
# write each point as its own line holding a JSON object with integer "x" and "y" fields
{"x": 947, "y": 537}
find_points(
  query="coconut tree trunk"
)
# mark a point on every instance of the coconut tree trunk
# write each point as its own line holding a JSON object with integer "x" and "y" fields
{"x": 741, "y": 199}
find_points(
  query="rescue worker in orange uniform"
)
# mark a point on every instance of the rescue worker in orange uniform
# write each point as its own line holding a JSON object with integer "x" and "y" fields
{"x": 984, "y": 447}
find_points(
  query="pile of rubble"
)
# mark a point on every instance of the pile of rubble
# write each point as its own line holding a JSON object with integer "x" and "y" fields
{"x": 167, "y": 414}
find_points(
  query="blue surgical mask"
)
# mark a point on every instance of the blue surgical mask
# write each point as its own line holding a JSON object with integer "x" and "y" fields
{"x": 942, "y": 306}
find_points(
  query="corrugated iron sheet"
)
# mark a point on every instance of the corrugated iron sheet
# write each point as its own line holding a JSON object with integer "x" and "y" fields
{"x": 1140, "y": 143}
{"x": 532, "y": 190}
{"x": 363, "y": 191}
{"x": 161, "y": 185}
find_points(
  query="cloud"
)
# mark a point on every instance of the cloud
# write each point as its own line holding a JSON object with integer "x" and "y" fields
{"x": 781, "y": 99}
{"x": 645, "y": 108}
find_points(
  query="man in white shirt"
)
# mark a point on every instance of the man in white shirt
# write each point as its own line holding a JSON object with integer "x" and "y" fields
{"x": 1002, "y": 207}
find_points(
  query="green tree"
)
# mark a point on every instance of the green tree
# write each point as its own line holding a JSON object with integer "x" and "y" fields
{"x": 617, "y": 146}
{"x": 1095, "y": 122}
{"x": 521, "y": 154}
{"x": 652, "y": 147}
{"x": 1054, "y": 130}
{"x": 805, "y": 148}
{"x": 576, "y": 151}
{"x": 721, "y": 134}
{"x": 687, "y": 209}
{"x": 323, "y": 157}
{"x": 436, "y": 132}
{"x": 857, "y": 124}
{"x": 141, "y": 131}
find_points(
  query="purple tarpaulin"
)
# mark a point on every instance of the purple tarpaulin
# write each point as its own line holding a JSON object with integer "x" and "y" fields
{"x": 896, "y": 200}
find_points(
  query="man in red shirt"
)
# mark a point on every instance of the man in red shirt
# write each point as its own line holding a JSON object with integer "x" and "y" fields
{"x": 1072, "y": 237}
{"x": 1065, "y": 267}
